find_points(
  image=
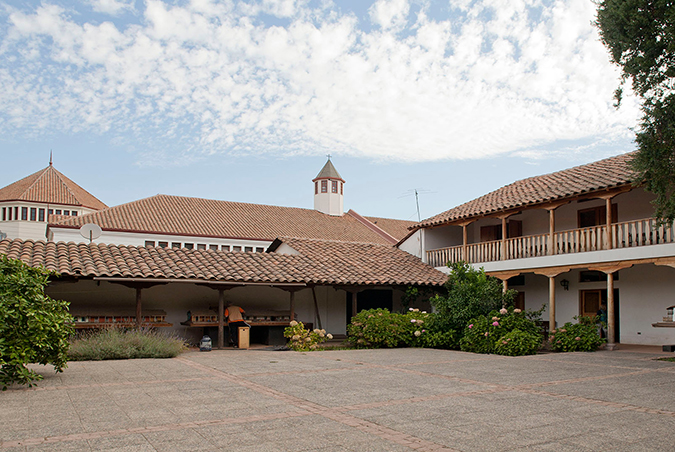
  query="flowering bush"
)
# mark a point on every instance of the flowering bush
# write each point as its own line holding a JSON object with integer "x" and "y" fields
{"x": 507, "y": 332}
{"x": 302, "y": 340}
{"x": 577, "y": 337}
{"x": 375, "y": 328}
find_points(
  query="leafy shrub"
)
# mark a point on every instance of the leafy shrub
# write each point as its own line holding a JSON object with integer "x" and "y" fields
{"x": 376, "y": 328}
{"x": 34, "y": 328}
{"x": 506, "y": 332}
{"x": 518, "y": 343}
{"x": 470, "y": 293}
{"x": 121, "y": 343}
{"x": 301, "y": 339}
{"x": 578, "y": 337}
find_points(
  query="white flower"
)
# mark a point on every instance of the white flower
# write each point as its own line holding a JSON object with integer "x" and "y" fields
{"x": 410, "y": 309}
{"x": 418, "y": 333}
{"x": 293, "y": 323}
{"x": 329, "y": 336}
{"x": 317, "y": 331}
{"x": 416, "y": 310}
{"x": 517, "y": 310}
{"x": 503, "y": 311}
{"x": 413, "y": 320}
{"x": 296, "y": 337}
{"x": 424, "y": 312}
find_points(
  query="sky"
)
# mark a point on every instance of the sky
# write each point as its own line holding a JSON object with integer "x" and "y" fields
{"x": 244, "y": 100}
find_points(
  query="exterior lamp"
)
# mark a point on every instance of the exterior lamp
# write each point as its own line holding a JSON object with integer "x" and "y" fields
{"x": 565, "y": 284}
{"x": 205, "y": 344}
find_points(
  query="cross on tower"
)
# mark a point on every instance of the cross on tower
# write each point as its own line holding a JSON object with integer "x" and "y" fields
{"x": 328, "y": 155}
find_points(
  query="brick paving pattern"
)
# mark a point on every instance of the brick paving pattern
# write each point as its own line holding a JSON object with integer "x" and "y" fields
{"x": 351, "y": 400}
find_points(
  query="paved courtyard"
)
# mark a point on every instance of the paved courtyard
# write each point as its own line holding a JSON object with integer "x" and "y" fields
{"x": 356, "y": 400}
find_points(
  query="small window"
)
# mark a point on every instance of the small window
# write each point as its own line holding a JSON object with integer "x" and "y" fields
{"x": 163, "y": 244}
{"x": 341, "y": 185}
{"x": 73, "y": 213}
{"x": 33, "y": 214}
{"x": 248, "y": 249}
{"x": 201, "y": 246}
{"x": 225, "y": 247}
{"x": 4, "y": 214}
{"x": 324, "y": 186}
{"x": 16, "y": 213}
{"x": 175, "y": 245}
{"x": 333, "y": 186}
{"x": 213, "y": 247}
{"x": 50, "y": 212}
{"x": 316, "y": 187}
{"x": 236, "y": 248}
{"x": 149, "y": 243}
{"x": 189, "y": 246}
{"x": 41, "y": 215}
{"x": 58, "y": 211}
{"x": 66, "y": 212}
{"x": 260, "y": 249}
{"x": 9, "y": 212}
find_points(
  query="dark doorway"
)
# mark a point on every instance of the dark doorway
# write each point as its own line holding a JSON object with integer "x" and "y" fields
{"x": 589, "y": 303}
{"x": 370, "y": 299}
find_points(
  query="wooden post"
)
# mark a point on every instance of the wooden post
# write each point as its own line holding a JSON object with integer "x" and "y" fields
{"x": 355, "y": 304}
{"x": 504, "y": 234}
{"x": 316, "y": 307}
{"x": 551, "y": 302}
{"x": 610, "y": 244}
{"x": 611, "y": 327}
{"x": 221, "y": 317}
{"x": 505, "y": 285}
{"x": 292, "y": 305}
{"x": 139, "y": 311}
{"x": 464, "y": 240}
{"x": 551, "y": 232}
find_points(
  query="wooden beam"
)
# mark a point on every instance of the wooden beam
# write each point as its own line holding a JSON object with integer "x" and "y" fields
{"x": 506, "y": 275}
{"x": 668, "y": 261}
{"x": 610, "y": 268}
{"x": 611, "y": 326}
{"x": 551, "y": 272}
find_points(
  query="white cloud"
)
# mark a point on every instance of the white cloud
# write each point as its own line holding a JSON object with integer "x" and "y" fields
{"x": 112, "y": 7}
{"x": 210, "y": 77}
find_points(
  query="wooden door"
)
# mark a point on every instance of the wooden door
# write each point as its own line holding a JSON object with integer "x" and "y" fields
{"x": 596, "y": 216}
{"x": 589, "y": 303}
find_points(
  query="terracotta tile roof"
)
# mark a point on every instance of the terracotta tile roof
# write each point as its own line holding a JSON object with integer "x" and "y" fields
{"x": 50, "y": 186}
{"x": 365, "y": 263}
{"x": 319, "y": 263}
{"x": 601, "y": 175}
{"x": 211, "y": 218}
{"x": 396, "y": 228}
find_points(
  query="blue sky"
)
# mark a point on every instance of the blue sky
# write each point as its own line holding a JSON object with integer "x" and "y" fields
{"x": 243, "y": 100}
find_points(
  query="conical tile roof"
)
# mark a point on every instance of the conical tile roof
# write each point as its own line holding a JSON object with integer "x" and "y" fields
{"x": 50, "y": 186}
{"x": 328, "y": 172}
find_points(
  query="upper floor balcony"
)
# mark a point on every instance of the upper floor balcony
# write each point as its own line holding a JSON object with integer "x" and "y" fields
{"x": 628, "y": 234}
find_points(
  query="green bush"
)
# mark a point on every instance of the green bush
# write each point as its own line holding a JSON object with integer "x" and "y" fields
{"x": 487, "y": 333}
{"x": 301, "y": 339}
{"x": 470, "y": 293}
{"x": 576, "y": 337}
{"x": 376, "y": 328}
{"x": 34, "y": 328}
{"x": 518, "y": 343}
{"x": 121, "y": 343}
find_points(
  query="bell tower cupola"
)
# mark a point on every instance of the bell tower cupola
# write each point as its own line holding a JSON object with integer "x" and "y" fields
{"x": 329, "y": 190}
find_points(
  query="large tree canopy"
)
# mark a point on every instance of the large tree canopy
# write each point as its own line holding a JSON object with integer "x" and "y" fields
{"x": 640, "y": 35}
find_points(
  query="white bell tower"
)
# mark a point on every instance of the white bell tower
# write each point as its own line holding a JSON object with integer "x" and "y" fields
{"x": 329, "y": 191}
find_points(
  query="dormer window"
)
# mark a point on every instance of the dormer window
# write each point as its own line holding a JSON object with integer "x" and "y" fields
{"x": 324, "y": 186}
{"x": 333, "y": 186}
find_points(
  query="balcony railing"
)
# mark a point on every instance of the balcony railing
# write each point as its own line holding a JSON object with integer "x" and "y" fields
{"x": 624, "y": 235}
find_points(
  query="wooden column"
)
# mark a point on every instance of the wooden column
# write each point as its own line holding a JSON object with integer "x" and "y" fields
{"x": 551, "y": 232}
{"x": 464, "y": 240}
{"x": 355, "y": 304}
{"x": 292, "y": 304}
{"x": 611, "y": 326}
{"x": 505, "y": 285}
{"x": 221, "y": 318}
{"x": 610, "y": 242}
{"x": 551, "y": 302}
{"x": 139, "y": 311}
{"x": 504, "y": 234}
{"x": 316, "y": 307}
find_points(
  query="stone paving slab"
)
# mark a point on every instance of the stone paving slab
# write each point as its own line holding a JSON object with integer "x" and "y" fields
{"x": 347, "y": 400}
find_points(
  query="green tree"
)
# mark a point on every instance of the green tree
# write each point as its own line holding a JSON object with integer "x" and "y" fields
{"x": 34, "y": 328}
{"x": 471, "y": 293}
{"x": 640, "y": 36}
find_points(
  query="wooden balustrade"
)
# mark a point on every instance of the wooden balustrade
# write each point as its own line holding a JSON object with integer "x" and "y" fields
{"x": 624, "y": 235}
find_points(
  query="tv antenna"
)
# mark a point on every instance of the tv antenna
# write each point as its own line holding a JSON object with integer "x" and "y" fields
{"x": 416, "y": 192}
{"x": 91, "y": 231}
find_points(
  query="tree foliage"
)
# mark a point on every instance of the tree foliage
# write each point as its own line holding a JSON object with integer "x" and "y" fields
{"x": 640, "y": 36}
{"x": 471, "y": 293}
{"x": 34, "y": 328}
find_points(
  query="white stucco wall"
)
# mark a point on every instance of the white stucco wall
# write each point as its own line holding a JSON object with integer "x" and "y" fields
{"x": 412, "y": 243}
{"x": 27, "y": 229}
